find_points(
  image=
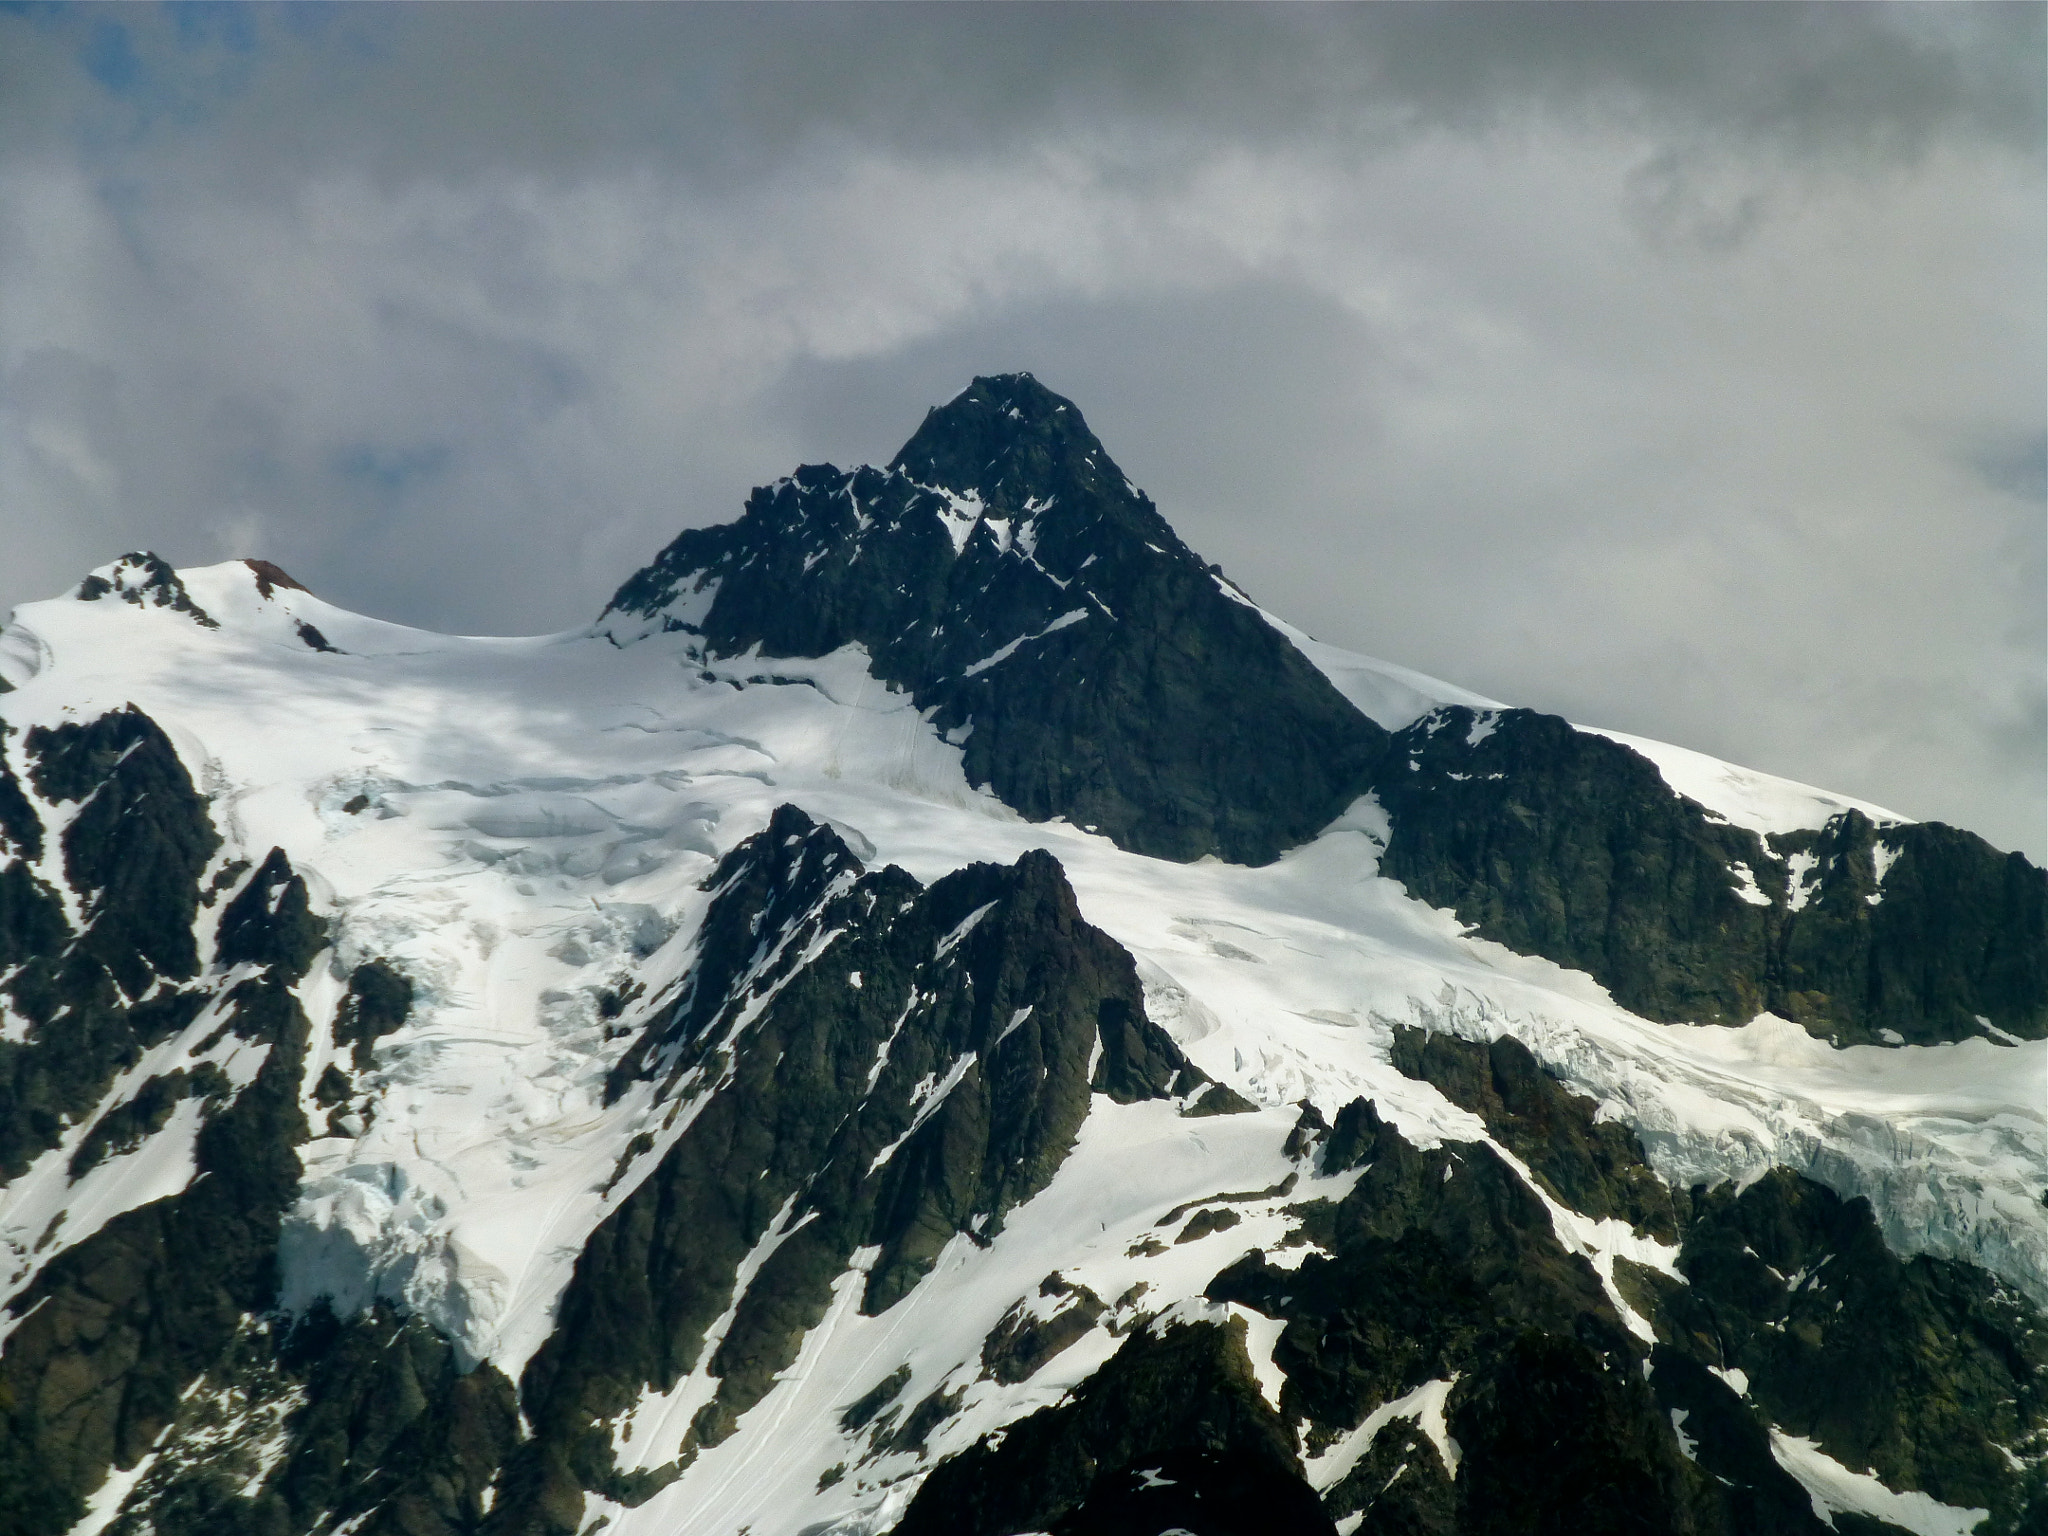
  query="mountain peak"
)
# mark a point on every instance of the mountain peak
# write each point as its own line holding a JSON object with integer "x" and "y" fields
{"x": 1005, "y": 572}
{"x": 1008, "y": 437}
{"x": 495, "y": 1085}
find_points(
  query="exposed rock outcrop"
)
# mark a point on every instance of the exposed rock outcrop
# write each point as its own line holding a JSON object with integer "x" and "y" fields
{"x": 1004, "y": 571}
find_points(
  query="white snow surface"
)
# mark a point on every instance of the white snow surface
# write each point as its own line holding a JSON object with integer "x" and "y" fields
{"x": 1394, "y": 697}
{"x": 1424, "y": 1405}
{"x": 534, "y": 819}
{"x": 1834, "y": 1488}
{"x": 1397, "y": 697}
{"x": 1759, "y": 802}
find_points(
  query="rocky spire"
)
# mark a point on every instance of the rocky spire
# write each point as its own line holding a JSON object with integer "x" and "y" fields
{"x": 1009, "y": 439}
{"x": 1007, "y": 573}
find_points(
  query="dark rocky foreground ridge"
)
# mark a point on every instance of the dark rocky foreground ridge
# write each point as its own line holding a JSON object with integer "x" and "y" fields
{"x": 857, "y": 1069}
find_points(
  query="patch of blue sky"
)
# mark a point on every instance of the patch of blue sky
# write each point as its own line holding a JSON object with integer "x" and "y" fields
{"x": 168, "y": 64}
{"x": 388, "y": 472}
{"x": 109, "y": 57}
{"x": 223, "y": 23}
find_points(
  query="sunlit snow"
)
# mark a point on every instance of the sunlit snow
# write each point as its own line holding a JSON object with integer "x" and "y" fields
{"x": 520, "y": 824}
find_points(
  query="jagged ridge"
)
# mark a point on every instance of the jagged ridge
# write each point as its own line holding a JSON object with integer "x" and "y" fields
{"x": 1564, "y": 844}
{"x": 860, "y": 1064}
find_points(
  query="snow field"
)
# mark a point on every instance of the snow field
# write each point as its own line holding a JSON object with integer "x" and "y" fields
{"x": 522, "y": 824}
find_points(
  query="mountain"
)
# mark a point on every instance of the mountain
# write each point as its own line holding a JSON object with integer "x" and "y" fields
{"x": 935, "y": 1013}
{"x": 1005, "y": 573}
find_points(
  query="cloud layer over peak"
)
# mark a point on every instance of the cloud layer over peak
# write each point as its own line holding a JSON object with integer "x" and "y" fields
{"x": 1677, "y": 367}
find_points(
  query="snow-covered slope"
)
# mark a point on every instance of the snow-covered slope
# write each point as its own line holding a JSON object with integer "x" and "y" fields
{"x": 534, "y": 833}
{"x": 1397, "y": 697}
{"x": 522, "y": 826}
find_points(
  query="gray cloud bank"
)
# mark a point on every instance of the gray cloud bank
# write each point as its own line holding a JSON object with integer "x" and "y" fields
{"x": 1677, "y": 367}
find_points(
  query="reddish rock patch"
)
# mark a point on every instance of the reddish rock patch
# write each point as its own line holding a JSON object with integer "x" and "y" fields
{"x": 269, "y": 577}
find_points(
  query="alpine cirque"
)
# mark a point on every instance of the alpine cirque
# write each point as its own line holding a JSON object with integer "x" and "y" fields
{"x": 937, "y": 1014}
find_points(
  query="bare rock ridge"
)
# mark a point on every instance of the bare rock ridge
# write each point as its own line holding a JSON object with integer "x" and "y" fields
{"x": 1561, "y": 843}
{"x": 921, "y": 1082}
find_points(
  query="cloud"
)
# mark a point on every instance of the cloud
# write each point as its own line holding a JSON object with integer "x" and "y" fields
{"x": 447, "y": 91}
{"x": 1673, "y": 366}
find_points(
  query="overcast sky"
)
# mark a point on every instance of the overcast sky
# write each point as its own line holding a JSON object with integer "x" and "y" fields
{"x": 1676, "y": 368}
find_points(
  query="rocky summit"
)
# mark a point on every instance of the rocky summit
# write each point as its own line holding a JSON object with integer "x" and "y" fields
{"x": 935, "y": 1013}
{"x": 1005, "y": 574}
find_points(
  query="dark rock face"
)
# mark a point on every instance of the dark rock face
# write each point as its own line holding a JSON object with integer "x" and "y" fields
{"x": 1917, "y": 1368}
{"x": 1399, "y": 1487}
{"x": 302, "y": 1426}
{"x": 1563, "y": 844}
{"x": 134, "y": 853}
{"x": 868, "y": 1064}
{"x": 313, "y": 639}
{"x": 146, "y": 580}
{"x": 116, "y": 1328}
{"x": 136, "y": 848}
{"x": 1435, "y": 1259}
{"x": 21, "y": 830}
{"x": 1006, "y": 574}
{"x": 270, "y": 577}
{"x": 1171, "y": 1432}
{"x": 1557, "y": 1439}
{"x": 379, "y": 999}
{"x": 1729, "y": 1440}
{"x": 1953, "y": 931}
{"x": 1593, "y": 1167}
{"x": 270, "y": 923}
{"x": 1570, "y": 846}
{"x": 32, "y": 920}
{"x": 1022, "y": 1342}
